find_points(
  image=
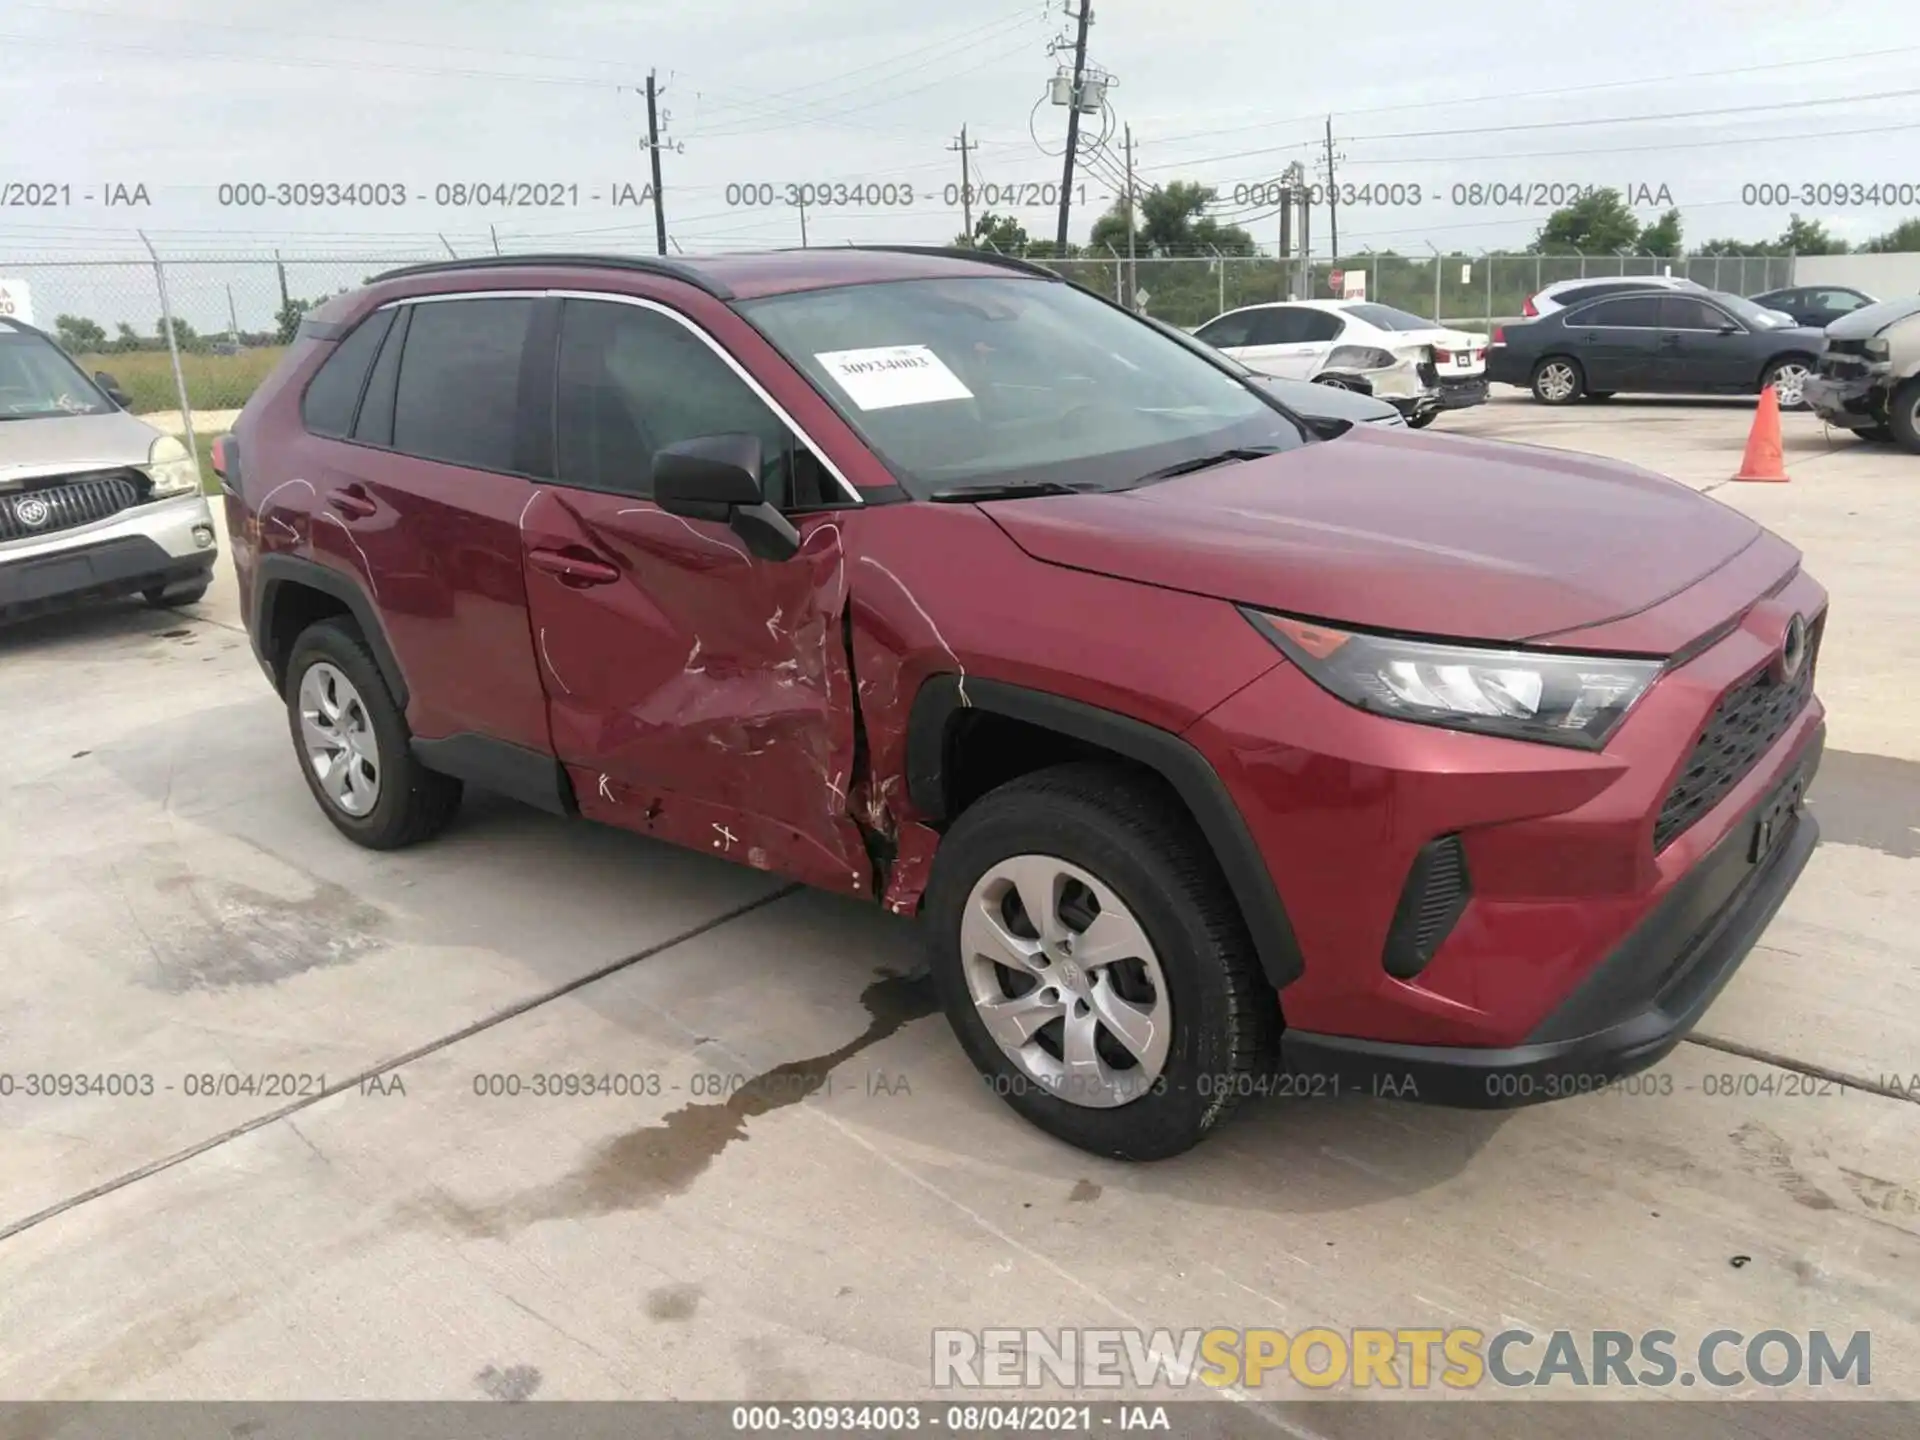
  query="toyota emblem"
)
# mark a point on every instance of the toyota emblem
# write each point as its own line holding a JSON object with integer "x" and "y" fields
{"x": 31, "y": 511}
{"x": 1793, "y": 648}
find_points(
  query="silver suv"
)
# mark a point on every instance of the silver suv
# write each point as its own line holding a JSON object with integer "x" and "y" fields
{"x": 93, "y": 501}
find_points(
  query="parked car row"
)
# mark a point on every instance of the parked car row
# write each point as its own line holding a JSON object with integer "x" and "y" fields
{"x": 1416, "y": 366}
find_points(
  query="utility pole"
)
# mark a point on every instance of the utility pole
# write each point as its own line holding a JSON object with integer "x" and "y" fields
{"x": 803, "y": 219}
{"x": 1333, "y": 214}
{"x": 495, "y": 233}
{"x": 281, "y": 266}
{"x": 1133, "y": 265}
{"x": 1073, "y": 120}
{"x": 653, "y": 151}
{"x": 966, "y": 181}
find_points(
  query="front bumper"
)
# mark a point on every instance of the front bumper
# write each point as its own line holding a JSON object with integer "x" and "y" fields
{"x": 1854, "y": 403}
{"x": 162, "y": 543}
{"x": 1558, "y": 847}
{"x": 1634, "y": 1006}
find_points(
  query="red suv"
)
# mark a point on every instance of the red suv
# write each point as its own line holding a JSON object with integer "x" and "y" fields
{"x": 1218, "y": 758}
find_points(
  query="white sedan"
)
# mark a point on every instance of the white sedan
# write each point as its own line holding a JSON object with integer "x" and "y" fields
{"x": 1418, "y": 367}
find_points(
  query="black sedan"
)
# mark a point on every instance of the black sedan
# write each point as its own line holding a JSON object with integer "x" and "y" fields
{"x": 1816, "y": 305}
{"x": 1704, "y": 343}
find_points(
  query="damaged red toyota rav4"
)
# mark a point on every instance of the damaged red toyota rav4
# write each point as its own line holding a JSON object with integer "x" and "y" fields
{"x": 1218, "y": 758}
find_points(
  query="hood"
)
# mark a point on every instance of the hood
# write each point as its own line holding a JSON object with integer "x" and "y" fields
{"x": 1395, "y": 530}
{"x": 57, "y": 443}
{"x": 1326, "y": 402}
{"x": 1870, "y": 320}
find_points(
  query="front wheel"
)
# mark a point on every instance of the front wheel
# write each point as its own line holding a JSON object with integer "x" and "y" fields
{"x": 1903, "y": 416}
{"x": 1093, "y": 964}
{"x": 172, "y": 597}
{"x": 1422, "y": 420}
{"x": 1558, "y": 381}
{"x": 1788, "y": 377}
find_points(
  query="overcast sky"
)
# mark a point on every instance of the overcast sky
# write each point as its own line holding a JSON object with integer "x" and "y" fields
{"x": 183, "y": 95}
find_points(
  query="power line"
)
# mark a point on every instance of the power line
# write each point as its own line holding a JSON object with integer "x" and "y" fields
{"x": 1553, "y": 91}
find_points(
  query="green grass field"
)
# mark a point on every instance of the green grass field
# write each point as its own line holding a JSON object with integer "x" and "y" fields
{"x": 214, "y": 382}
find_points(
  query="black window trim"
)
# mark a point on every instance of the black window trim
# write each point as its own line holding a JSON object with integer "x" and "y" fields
{"x": 360, "y": 395}
{"x": 779, "y": 411}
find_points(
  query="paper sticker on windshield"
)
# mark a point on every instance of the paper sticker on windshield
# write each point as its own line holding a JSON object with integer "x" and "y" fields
{"x": 891, "y": 375}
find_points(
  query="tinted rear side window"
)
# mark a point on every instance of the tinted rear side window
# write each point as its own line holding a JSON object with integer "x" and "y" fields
{"x": 375, "y": 425}
{"x": 458, "y": 396}
{"x": 334, "y": 392}
{"x": 1637, "y": 312}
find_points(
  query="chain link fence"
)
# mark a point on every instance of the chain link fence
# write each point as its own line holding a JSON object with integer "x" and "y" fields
{"x": 232, "y": 317}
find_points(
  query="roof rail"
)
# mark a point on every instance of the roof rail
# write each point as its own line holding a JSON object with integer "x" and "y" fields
{"x": 957, "y": 252}
{"x": 655, "y": 265}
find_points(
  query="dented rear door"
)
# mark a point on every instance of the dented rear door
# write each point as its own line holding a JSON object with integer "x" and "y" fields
{"x": 697, "y": 692}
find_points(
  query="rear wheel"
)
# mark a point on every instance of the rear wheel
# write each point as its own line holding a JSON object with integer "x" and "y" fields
{"x": 1788, "y": 376}
{"x": 1423, "y": 419}
{"x": 1903, "y": 415}
{"x": 1093, "y": 964}
{"x": 354, "y": 747}
{"x": 1558, "y": 380}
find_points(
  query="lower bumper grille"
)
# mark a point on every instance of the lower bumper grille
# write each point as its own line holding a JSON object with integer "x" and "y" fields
{"x": 1436, "y": 893}
{"x": 68, "y": 502}
{"x": 1748, "y": 722}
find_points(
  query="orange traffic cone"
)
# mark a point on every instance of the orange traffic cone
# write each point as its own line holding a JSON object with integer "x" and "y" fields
{"x": 1764, "y": 460}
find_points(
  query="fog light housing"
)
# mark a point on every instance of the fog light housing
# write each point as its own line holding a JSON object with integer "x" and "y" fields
{"x": 203, "y": 537}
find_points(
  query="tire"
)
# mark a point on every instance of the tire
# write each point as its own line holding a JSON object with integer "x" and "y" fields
{"x": 1878, "y": 434}
{"x": 172, "y": 597}
{"x": 404, "y": 802}
{"x": 1601, "y": 395}
{"x": 1903, "y": 416}
{"x": 1554, "y": 373}
{"x": 1422, "y": 420}
{"x": 1192, "y": 967}
{"x": 1796, "y": 369}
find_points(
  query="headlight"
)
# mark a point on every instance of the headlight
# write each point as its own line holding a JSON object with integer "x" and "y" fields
{"x": 1573, "y": 700}
{"x": 1878, "y": 348}
{"x": 171, "y": 469}
{"x": 1360, "y": 357}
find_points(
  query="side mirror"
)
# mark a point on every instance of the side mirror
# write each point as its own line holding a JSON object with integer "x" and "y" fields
{"x": 112, "y": 387}
{"x": 717, "y": 478}
{"x": 1729, "y": 329}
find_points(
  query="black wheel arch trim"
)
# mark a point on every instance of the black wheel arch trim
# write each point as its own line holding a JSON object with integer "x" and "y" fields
{"x": 274, "y": 573}
{"x": 1193, "y": 778}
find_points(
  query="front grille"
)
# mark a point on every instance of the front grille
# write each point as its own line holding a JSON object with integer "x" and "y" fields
{"x": 68, "y": 501}
{"x": 1436, "y": 894}
{"x": 1843, "y": 359}
{"x": 1746, "y": 724}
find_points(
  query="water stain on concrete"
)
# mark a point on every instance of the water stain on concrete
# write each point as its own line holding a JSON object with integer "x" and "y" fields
{"x": 236, "y": 936}
{"x": 513, "y": 1384}
{"x": 651, "y": 1164}
{"x": 673, "y": 1302}
{"x": 1868, "y": 800}
{"x": 1767, "y": 1155}
{"x": 1084, "y": 1192}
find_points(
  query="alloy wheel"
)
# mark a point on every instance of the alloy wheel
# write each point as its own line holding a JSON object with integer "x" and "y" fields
{"x": 1556, "y": 381}
{"x": 1789, "y": 382}
{"x": 337, "y": 734}
{"x": 1066, "y": 981}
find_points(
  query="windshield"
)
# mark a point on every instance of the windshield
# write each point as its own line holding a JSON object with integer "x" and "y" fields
{"x": 36, "y": 379}
{"x": 1758, "y": 317}
{"x": 982, "y": 382}
{"x": 1385, "y": 317}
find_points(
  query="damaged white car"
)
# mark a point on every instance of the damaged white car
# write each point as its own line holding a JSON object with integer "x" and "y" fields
{"x": 1416, "y": 366}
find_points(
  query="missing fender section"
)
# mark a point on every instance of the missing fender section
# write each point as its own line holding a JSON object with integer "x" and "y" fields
{"x": 866, "y": 795}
